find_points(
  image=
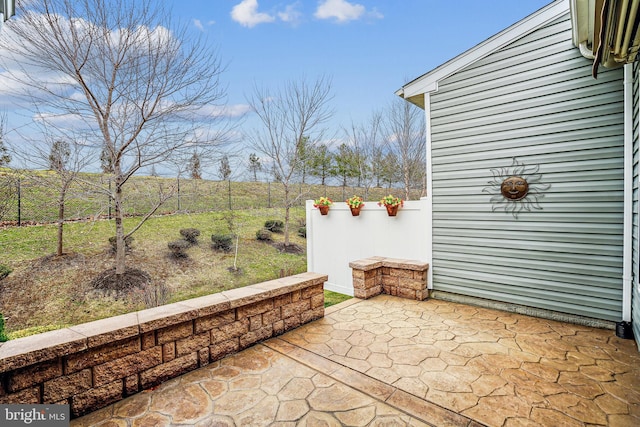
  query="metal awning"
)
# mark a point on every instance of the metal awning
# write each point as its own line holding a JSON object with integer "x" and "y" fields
{"x": 606, "y": 31}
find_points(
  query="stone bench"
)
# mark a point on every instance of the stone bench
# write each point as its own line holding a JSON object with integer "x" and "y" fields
{"x": 398, "y": 277}
{"x": 92, "y": 365}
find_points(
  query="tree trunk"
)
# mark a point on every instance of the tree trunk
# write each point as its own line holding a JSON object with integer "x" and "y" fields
{"x": 61, "y": 205}
{"x": 286, "y": 214}
{"x": 120, "y": 245}
{"x": 60, "y": 225}
{"x": 407, "y": 182}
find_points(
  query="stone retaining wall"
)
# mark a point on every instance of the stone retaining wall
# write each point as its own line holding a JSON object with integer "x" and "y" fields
{"x": 398, "y": 277}
{"x": 92, "y": 365}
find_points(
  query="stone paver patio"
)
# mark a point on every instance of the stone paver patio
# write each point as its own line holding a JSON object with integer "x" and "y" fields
{"x": 389, "y": 361}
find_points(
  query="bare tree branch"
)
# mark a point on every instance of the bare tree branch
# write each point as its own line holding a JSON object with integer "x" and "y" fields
{"x": 367, "y": 143}
{"x": 290, "y": 116}
{"x": 139, "y": 87}
{"x": 405, "y": 134}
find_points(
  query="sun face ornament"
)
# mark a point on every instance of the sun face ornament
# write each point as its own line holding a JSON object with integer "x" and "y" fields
{"x": 516, "y": 188}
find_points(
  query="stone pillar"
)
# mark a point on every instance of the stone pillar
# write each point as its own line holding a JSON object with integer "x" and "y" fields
{"x": 397, "y": 277}
{"x": 367, "y": 277}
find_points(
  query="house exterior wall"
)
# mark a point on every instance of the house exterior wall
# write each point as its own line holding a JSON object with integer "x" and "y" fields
{"x": 535, "y": 100}
{"x": 635, "y": 296}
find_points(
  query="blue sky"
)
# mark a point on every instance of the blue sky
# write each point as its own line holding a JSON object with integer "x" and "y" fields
{"x": 369, "y": 48}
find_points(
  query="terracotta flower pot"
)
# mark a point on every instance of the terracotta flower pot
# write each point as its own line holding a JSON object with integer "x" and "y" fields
{"x": 392, "y": 210}
{"x": 324, "y": 210}
{"x": 355, "y": 211}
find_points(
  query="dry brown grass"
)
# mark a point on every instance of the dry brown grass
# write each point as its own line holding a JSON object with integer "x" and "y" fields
{"x": 50, "y": 292}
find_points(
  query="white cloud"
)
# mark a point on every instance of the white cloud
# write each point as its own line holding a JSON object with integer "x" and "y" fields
{"x": 226, "y": 111}
{"x": 246, "y": 14}
{"x": 291, "y": 14}
{"x": 64, "y": 121}
{"x": 233, "y": 111}
{"x": 343, "y": 11}
{"x": 200, "y": 26}
{"x": 375, "y": 14}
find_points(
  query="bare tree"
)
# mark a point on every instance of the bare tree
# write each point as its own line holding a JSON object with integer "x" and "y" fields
{"x": 194, "y": 167}
{"x": 59, "y": 155}
{"x": 254, "y": 165}
{"x": 367, "y": 142}
{"x": 106, "y": 161}
{"x": 405, "y": 133}
{"x": 65, "y": 159}
{"x": 66, "y": 165}
{"x": 5, "y": 158}
{"x": 140, "y": 87}
{"x": 289, "y": 115}
{"x": 8, "y": 181}
{"x": 224, "y": 168}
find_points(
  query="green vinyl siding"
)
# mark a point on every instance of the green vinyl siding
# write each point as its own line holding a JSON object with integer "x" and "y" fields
{"x": 535, "y": 100}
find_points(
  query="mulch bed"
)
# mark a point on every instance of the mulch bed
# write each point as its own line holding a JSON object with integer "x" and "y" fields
{"x": 132, "y": 278}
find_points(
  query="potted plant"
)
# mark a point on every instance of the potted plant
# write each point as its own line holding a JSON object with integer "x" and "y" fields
{"x": 392, "y": 203}
{"x": 355, "y": 204}
{"x": 323, "y": 203}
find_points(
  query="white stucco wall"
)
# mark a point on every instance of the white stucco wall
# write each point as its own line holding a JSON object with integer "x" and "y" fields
{"x": 338, "y": 238}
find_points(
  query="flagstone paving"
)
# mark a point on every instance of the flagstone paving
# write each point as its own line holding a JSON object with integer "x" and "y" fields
{"x": 388, "y": 361}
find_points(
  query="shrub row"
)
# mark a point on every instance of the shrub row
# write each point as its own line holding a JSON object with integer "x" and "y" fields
{"x": 220, "y": 242}
{"x": 276, "y": 226}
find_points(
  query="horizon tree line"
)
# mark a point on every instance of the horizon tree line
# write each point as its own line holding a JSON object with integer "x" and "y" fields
{"x": 387, "y": 151}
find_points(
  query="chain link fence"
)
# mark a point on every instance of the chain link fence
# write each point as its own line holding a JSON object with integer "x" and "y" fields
{"x": 34, "y": 198}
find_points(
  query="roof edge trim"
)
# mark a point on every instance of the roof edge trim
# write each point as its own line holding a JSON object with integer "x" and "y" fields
{"x": 429, "y": 82}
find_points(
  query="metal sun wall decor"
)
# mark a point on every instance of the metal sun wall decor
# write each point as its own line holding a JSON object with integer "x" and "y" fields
{"x": 516, "y": 188}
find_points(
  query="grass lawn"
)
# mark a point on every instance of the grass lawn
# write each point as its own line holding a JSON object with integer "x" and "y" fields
{"x": 332, "y": 298}
{"x": 45, "y": 292}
